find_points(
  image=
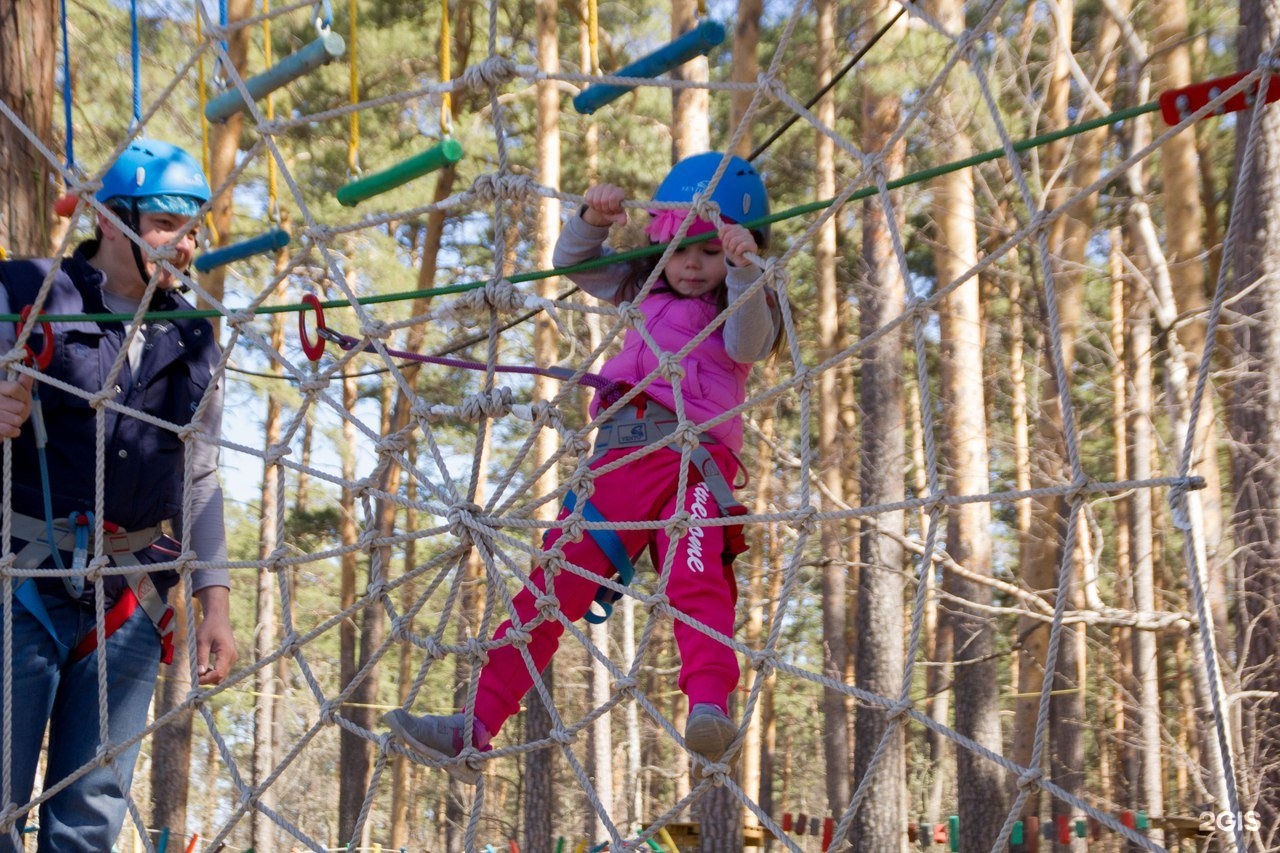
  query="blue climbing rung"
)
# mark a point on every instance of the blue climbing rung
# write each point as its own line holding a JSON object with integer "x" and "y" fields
{"x": 697, "y": 42}
{"x": 272, "y": 241}
{"x": 322, "y": 51}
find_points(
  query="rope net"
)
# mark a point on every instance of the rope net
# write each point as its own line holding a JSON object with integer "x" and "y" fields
{"x": 431, "y": 486}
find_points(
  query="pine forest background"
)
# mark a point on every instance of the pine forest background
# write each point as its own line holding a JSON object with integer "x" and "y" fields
{"x": 1135, "y": 263}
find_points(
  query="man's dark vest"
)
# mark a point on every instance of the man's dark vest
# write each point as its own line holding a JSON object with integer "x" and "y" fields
{"x": 143, "y": 463}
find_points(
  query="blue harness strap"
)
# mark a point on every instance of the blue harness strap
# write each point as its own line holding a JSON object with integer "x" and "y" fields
{"x": 28, "y": 596}
{"x": 611, "y": 544}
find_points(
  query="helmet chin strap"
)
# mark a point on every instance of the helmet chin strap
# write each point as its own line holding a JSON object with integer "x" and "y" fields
{"x": 134, "y": 222}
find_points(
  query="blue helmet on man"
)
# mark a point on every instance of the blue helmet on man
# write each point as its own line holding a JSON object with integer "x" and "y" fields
{"x": 155, "y": 177}
{"x": 740, "y": 192}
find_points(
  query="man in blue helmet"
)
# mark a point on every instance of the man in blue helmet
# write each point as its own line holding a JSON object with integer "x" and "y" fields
{"x": 150, "y": 466}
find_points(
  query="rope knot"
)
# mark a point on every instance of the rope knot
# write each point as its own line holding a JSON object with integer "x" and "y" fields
{"x": 313, "y": 385}
{"x": 518, "y": 636}
{"x": 1030, "y": 776}
{"x": 433, "y": 649}
{"x": 373, "y": 328}
{"x": 656, "y": 601}
{"x": 562, "y": 736}
{"x": 494, "y": 71}
{"x": 99, "y": 398}
{"x": 625, "y": 684}
{"x": 764, "y": 660}
{"x": 494, "y": 187}
{"x": 236, "y": 319}
{"x": 679, "y": 523}
{"x": 396, "y": 442}
{"x": 366, "y": 539}
{"x": 548, "y": 605}
{"x": 503, "y": 295}
{"x": 670, "y": 368}
{"x": 717, "y": 771}
{"x": 462, "y": 520}
{"x": 898, "y": 711}
{"x": 686, "y": 437}
{"x": 572, "y": 527}
{"x": 292, "y": 644}
{"x": 630, "y": 314}
{"x": 486, "y": 404}
{"x": 475, "y": 650}
{"x": 274, "y": 453}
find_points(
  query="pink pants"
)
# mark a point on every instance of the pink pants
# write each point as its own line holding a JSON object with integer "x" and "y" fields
{"x": 701, "y": 584}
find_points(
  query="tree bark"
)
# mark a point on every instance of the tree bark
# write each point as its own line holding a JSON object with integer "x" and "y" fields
{"x": 540, "y": 764}
{"x": 28, "y": 188}
{"x": 224, "y": 143}
{"x": 881, "y": 820}
{"x": 265, "y": 642}
{"x": 1253, "y": 414}
{"x": 980, "y": 790}
{"x": 690, "y": 108}
{"x": 830, "y": 465}
{"x": 746, "y": 68}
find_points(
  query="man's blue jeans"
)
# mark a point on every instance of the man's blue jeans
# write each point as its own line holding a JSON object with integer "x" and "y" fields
{"x": 87, "y": 814}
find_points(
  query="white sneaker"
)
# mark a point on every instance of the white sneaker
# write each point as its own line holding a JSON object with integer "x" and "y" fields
{"x": 439, "y": 739}
{"x": 709, "y": 731}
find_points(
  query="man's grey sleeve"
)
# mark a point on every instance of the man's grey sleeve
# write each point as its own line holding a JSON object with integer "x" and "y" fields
{"x": 208, "y": 529}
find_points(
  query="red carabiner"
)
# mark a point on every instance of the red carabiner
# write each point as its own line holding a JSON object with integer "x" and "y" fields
{"x": 313, "y": 349}
{"x": 45, "y": 357}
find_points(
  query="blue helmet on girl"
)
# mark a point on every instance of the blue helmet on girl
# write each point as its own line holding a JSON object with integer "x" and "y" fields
{"x": 155, "y": 177}
{"x": 740, "y": 193}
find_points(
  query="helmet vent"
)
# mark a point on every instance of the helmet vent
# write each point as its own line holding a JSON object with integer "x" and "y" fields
{"x": 140, "y": 176}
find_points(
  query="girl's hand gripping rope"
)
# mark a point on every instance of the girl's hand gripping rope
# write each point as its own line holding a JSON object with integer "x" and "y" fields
{"x": 602, "y": 206}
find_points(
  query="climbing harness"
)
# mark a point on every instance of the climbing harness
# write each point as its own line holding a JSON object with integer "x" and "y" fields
{"x": 643, "y": 422}
{"x": 118, "y": 544}
{"x": 49, "y": 538}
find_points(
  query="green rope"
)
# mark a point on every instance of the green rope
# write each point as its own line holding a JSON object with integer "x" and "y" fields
{"x": 643, "y": 251}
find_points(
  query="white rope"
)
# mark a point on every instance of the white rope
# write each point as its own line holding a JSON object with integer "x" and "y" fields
{"x": 503, "y": 529}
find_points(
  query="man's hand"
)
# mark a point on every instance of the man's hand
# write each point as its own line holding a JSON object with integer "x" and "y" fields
{"x": 215, "y": 643}
{"x": 15, "y": 405}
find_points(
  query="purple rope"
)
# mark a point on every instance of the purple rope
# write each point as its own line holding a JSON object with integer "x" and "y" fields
{"x": 610, "y": 389}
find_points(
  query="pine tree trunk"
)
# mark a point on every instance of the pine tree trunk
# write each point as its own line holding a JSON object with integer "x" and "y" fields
{"x": 1042, "y": 557}
{"x": 265, "y": 640}
{"x": 224, "y": 143}
{"x": 980, "y": 787}
{"x": 540, "y": 764}
{"x": 1254, "y": 422}
{"x": 28, "y": 53}
{"x": 690, "y": 130}
{"x": 746, "y": 68}
{"x": 881, "y": 820}
{"x": 351, "y": 780}
{"x": 835, "y": 598}
{"x": 1148, "y": 790}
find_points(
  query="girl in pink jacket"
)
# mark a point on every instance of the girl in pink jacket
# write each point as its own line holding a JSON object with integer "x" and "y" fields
{"x": 695, "y": 286}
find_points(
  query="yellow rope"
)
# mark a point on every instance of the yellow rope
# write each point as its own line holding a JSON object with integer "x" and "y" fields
{"x": 353, "y": 134}
{"x": 593, "y": 35}
{"x": 446, "y": 70}
{"x": 702, "y": 9}
{"x": 203, "y": 95}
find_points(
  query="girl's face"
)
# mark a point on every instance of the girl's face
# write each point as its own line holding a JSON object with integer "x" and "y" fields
{"x": 696, "y": 270}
